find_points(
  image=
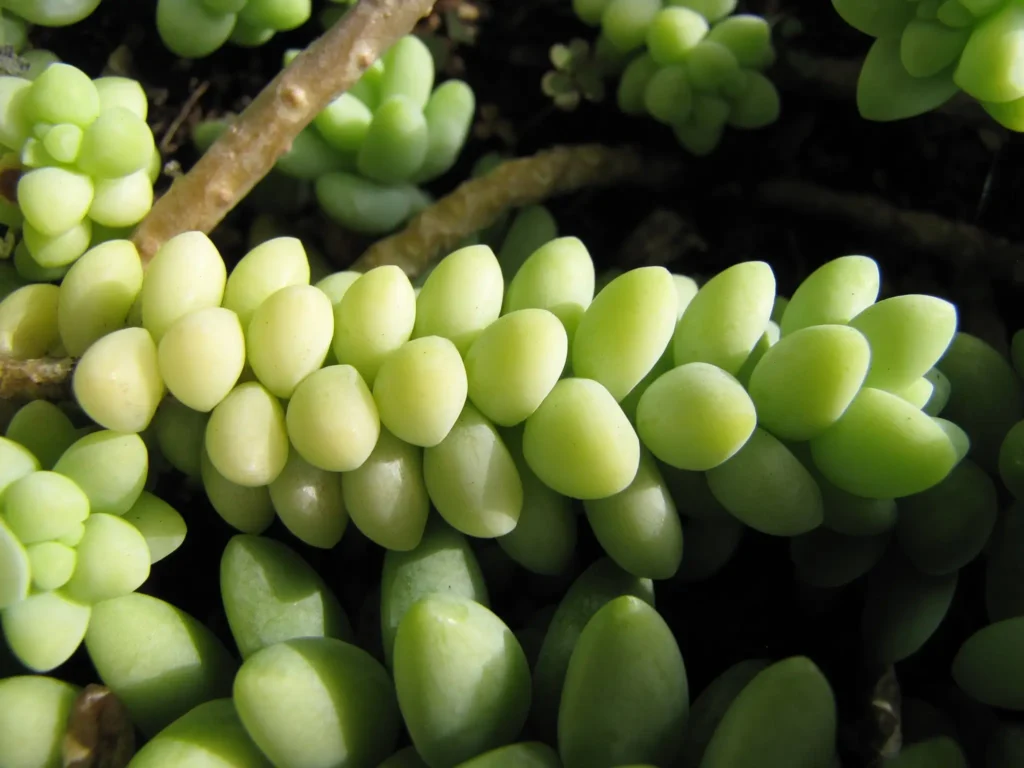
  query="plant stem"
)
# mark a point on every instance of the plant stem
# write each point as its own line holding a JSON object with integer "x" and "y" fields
{"x": 836, "y": 78}
{"x": 477, "y": 203}
{"x": 954, "y": 241}
{"x": 247, "y": 151}
{"x": 44, "y": 379}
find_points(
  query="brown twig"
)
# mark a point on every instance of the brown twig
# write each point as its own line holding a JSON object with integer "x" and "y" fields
{"x": 953, "y": 241}
{"x": 44, "y": 379}
{"x": 477, "y": 203}
{"x": 247, "y": 151}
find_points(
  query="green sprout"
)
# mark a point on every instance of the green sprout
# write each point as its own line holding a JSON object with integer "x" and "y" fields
{"x": 578, "y": 75}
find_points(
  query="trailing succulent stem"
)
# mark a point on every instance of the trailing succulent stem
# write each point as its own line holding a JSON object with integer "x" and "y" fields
{"x": 478, "y": 203}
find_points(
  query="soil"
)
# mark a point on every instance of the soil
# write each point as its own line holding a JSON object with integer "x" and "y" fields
{"x": 962, "y": 170}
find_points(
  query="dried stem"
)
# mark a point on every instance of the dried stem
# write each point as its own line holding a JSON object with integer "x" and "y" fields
{"x": 44, "y": 379}
{"x": 247, "y": 151}
{"x": 953, "y": 241}
{"x": 886, "y": 713}
{"x": 477, "y": 203}
{"x": 99, "y": 732}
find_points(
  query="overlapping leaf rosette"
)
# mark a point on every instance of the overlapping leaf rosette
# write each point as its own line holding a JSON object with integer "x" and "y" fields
{"x": 370, "y": 150}
{"x": 692, "y": 65}
{"x": 926, "y": 51}
{"x": 85, "y": 160}
{"x": 76, "y": 528}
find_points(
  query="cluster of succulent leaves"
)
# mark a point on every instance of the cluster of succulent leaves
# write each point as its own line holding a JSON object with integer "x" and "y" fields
{"x": 86, "y": 155}
{"x": 194, "y": 29}
{"x": 926, "y": 51}
{"x": 76, "y": 528}
{"x": 578, "y": 75}
{"x": 370, "y": 149}
{"x": 693, "y": 65}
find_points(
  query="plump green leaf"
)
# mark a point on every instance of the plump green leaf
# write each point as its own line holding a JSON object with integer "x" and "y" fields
{"x": 878, "y": 18}
{"x": 886, "y": 91}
